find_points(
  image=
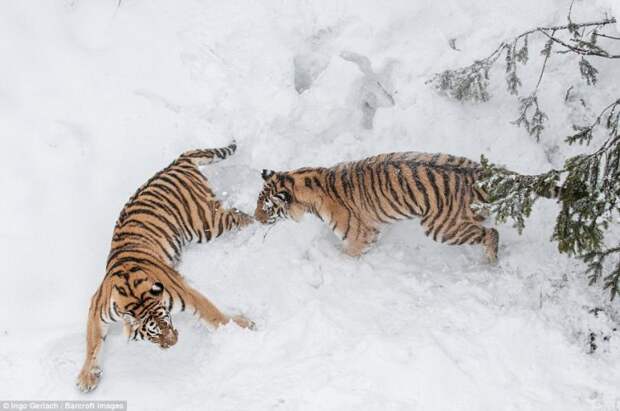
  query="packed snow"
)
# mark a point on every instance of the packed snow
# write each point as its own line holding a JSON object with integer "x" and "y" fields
{"x": 96, "y": 96}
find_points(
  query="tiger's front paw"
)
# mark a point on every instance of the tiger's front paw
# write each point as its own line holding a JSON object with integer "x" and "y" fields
{"x": 243, "y": 219}
{"x": 243, "y": 322}
{"x": 88, "y": 379}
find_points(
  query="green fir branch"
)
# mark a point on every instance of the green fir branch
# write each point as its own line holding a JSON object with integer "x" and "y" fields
{"x": 471, "y": 83}
{"x": 589, "y": 198}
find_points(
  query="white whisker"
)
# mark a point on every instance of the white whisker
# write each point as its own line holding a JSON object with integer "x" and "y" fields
{"x": 267, "y": 232}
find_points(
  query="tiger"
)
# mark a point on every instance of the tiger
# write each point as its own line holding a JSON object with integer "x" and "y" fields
{"x": 357, "y": 198}
{"x": 141, "y": 287}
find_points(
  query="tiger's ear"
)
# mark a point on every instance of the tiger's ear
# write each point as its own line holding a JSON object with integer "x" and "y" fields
{"x": 266, "y": 174}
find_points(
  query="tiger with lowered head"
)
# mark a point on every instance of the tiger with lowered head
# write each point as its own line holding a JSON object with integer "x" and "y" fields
{"x": 356, "y": 198}
{"x": 141, "y": 288}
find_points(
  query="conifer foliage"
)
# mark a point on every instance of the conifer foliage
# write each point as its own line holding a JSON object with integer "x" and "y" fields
{"x": 471, "y": 83}
{"x": 589, "y": 196}
{"x": 588, "y": 185}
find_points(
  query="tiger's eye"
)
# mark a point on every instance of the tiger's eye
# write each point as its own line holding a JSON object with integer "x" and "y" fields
{"x": 157, "y": 288}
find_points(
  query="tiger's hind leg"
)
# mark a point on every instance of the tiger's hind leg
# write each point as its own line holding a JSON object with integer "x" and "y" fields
{"x": 481, "y": 214}
{"x": 471, "y": 232}
{"x": 491, "y": 243}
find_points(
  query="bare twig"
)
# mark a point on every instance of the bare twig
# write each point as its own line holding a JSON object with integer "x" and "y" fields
{"x": 542, "y": 71}
{"x": 579, "y": 50}
{"x": 607, "y": 36}
{"x": 570, "y": 9}
{"x": 600, "y": 23}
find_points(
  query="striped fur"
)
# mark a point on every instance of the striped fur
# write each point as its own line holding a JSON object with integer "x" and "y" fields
{"x": 356, "y": 198}
{"x": 141, "y": 288}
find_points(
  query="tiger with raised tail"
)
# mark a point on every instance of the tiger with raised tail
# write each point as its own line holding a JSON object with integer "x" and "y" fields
{"x": 356, "y": 198}
{"x": 141, "y": 288}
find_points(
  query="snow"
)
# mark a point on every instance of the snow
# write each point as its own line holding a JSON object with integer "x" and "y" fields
{"x": 95, "y": 98}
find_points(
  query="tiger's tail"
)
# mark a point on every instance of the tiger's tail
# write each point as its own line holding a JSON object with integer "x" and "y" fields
{"x": 210, "y": 155}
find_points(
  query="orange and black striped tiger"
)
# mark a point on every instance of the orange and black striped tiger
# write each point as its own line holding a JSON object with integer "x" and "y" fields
{"x": 356, "y": 198}
{"x": 141, "y": 287}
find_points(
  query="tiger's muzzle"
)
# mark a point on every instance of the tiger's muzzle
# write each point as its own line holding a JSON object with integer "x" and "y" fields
{"x": 166, "y": 339}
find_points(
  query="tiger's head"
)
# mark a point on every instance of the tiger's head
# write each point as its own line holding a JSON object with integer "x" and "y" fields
{"x": 139, "y": 301}
{"x": 276, "y": 200}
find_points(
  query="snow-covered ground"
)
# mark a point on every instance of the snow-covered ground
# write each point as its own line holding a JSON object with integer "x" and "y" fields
{"x": 95, "y": 97}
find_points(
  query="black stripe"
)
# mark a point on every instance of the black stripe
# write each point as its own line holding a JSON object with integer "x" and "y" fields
{"x": 421, "y": 189}
{"x": 173, "y": 191}
{"x": 179, "y": 195}
{"x": 404, "y": 185}
{"x": 175, "y": 238}
{"x": 173, "y": 210}
{"x": 386, "y": 188}
{"x": 158, "y": 232}
{"x": 197, "y": 204}
{"x": 378, "y": 196}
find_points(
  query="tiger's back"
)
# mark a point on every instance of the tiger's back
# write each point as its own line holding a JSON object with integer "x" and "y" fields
{"x": 394, "y": 186}
{"x": 174, "y": 208}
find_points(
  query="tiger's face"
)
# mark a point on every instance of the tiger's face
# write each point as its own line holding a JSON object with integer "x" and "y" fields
{"x": 139, "y": 301}
{"x": 275, "y": 200}
{"x": 155, "y": 327}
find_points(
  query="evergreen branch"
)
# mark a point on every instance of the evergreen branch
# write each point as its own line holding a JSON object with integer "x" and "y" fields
{"x": 512, "y": 195}
{"x": 471, "y": 83}
{"x": 612, "y": 123}
{"x": 596, "y": 266}
{"x": 531, "y": 116}
{"x": 588, "y": 72}
{"x": 468, "y": 83}
{"x": 589, "y": 196}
